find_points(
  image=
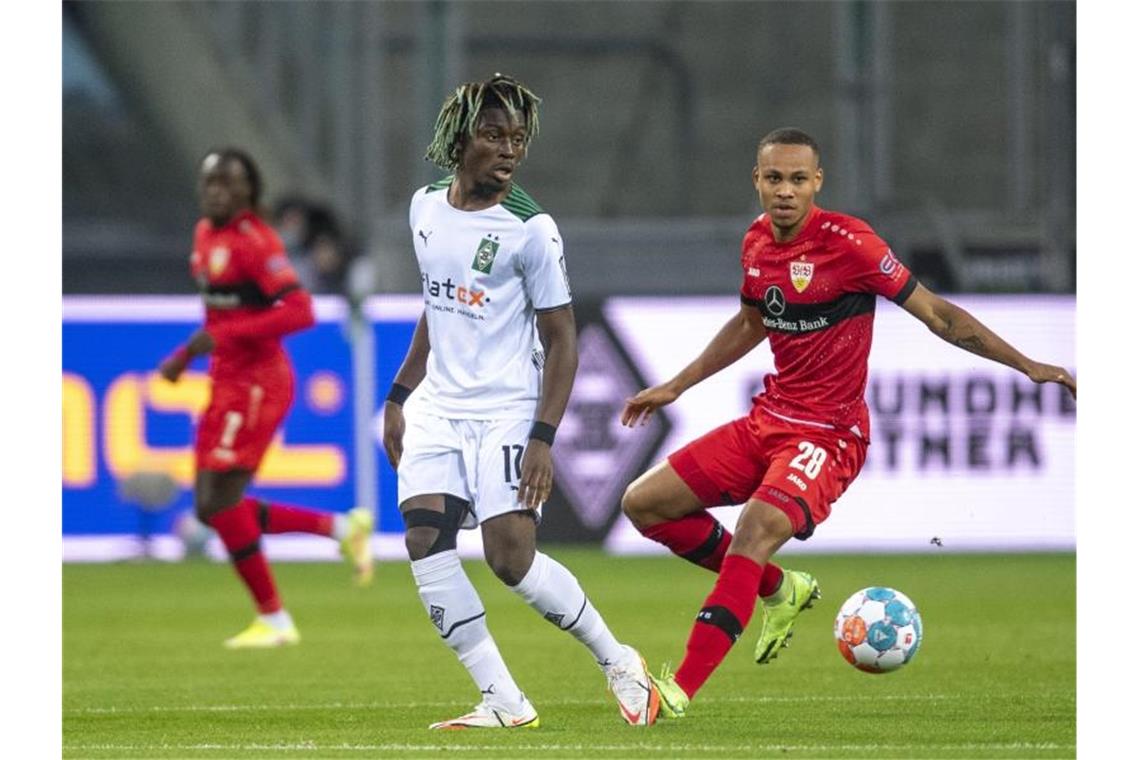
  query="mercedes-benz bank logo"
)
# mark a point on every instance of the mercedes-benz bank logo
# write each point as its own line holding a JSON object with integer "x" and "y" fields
{"x": 774, "y": 300}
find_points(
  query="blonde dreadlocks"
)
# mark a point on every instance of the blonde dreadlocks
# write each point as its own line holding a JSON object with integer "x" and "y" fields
{"x": 460, "y": 115}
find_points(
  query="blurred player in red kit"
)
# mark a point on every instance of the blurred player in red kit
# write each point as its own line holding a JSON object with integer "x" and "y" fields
{"x": 810, "y": 280}
{"x": 253, "y": 299}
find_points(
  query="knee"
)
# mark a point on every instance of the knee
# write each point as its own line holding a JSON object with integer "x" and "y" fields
{"x": 636, "y": 506}
{"x": 419, "y": 541}
{"x": 205, "y": 507}
{"x": 510, "y": 565}
{"x": 428, "y": 532}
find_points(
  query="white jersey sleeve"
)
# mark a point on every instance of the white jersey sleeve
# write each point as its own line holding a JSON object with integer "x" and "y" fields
{"x": 413, "y": 207}
{"x": 543, "y": 265}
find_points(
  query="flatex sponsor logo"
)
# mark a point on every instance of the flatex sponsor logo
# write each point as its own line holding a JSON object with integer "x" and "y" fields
{"x": 452, "y": 291}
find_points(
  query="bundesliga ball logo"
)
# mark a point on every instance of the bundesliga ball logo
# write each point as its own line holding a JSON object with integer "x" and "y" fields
{"x": 878, "y": 629}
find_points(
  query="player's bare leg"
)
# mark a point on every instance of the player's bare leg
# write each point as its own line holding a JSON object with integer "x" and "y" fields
{"x": 553, "y": 591}
{"x": 663, "y": 508}
{"x": 761, "y": 530}
{"x": 219, "y": 503}
{"x": 432, "y": 524}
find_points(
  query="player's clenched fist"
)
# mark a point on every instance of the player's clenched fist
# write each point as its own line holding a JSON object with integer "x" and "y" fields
{"x": 173, "y": 366}
{"x": 1047, "y": 373}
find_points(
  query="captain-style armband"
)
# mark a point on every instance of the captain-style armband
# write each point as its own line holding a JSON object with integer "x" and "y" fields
{"x": 543, "y": 431}
{"x": 398, "y": 394}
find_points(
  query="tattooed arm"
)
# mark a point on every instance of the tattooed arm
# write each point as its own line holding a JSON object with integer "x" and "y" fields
{"x": 958, "y": 327}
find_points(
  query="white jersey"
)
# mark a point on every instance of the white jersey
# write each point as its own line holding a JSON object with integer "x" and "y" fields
{"x": 485, "y": 275}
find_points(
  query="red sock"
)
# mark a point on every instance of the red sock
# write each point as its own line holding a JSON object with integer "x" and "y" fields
{"x": 237, "y": 527}
{"x": 720, "y": 622}
{"x": 770, "y": 579}
{"x": 286, "y": 518}
{"x": 698, "y": 537}
{"x": 701, "y": 539}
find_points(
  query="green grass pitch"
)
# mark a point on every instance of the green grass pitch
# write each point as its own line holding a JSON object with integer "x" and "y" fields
{"x": 145, "y": 675}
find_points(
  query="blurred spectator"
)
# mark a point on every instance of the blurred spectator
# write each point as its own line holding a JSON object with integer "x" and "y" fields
{"x": 291, "y": 220}
{"x": 317, "y": 247}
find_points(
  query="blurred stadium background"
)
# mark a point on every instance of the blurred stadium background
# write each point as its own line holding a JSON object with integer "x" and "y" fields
{"x": 950, "y": 126}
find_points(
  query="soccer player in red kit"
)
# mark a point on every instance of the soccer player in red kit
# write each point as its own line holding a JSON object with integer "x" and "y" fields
{"x": 810, "y": 280}
{"x": 252, "y": 299}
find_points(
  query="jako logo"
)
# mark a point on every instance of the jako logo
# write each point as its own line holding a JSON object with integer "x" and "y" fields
{"x": 454, "y": 292}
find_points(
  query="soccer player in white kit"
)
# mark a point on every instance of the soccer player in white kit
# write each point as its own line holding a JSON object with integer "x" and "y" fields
{"x": 491, "y": 364}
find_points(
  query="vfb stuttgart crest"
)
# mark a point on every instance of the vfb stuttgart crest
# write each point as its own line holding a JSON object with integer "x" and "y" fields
{"x": 801, "y": 274}
{"x": 485, "y": 254}
{"x": 219, "y": 258}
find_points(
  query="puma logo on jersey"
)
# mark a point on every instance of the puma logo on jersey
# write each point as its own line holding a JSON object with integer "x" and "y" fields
{"x": 425, "y": 237}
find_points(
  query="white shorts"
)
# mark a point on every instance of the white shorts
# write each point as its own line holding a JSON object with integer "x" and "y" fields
{"x": 480, "y": 461}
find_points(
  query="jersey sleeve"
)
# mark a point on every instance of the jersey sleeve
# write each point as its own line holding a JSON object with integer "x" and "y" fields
{"x": 264, "y": 261}
{"x": 414, "y": 207}
{"x": 750, "y": 281}
{"x": 543, "y": 265}
{"x": 875, "y": 269}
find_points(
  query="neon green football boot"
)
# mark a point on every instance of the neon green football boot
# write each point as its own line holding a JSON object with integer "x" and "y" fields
{"x": 797, "y": 592}
{"x": 261, "y": 635}
{"x": 674, "y": 700}
{"x": 356, "y": 547}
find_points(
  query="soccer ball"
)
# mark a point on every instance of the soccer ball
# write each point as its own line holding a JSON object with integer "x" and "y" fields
{"x": 192, "y": 533}
{"x": 878, "y": 629}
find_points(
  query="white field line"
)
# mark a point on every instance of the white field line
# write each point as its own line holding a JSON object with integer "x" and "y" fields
{"x": 750, "y": 749}
{"x": 416, "y": 705}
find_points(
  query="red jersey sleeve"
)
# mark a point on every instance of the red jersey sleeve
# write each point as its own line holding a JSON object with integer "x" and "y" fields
{"x": 874, "y": 268}
{"x": 263, "y": 260}
{"x": 750, "y": 274}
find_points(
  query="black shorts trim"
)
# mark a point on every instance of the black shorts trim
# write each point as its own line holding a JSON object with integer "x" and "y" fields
{"x": 809, "y": 524}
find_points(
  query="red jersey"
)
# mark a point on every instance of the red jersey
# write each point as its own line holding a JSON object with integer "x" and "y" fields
{"x": 817, "y": 296}
{"x": 243, "y": 273}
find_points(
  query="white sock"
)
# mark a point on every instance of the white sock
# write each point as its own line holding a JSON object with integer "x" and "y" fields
{"x": 555, "y": 593}
{"x": 339, "y": 526}
{"x": 278, "y": 621}
{"x": 455, "y": 609}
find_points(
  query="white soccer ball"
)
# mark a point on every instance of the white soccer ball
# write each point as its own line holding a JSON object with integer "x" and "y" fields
{"x": 192, "y": 533}
{"x": 878, "y": 629}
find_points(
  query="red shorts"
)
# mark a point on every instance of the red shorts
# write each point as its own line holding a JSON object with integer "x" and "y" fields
{"x": 240, "y": 422}
{"x": 800, "y": 468}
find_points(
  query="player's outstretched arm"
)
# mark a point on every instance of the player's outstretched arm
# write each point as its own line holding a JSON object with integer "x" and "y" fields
{"x": 559, "y": 338}
{"x": 958, "y": 327}
{"x": 174, "y": 365}
{"x": 744, "y": 332}
{"x": 409, "y": 376}
{"x": 292, "y": 311}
